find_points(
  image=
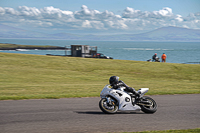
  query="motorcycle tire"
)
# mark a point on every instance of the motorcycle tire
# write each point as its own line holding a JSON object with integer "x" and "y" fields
{"x": 149, "y": 108}
{"x": 108, "y": 109}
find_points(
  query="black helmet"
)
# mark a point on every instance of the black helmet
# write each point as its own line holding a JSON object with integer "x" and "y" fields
{"x": 113, "y": 80}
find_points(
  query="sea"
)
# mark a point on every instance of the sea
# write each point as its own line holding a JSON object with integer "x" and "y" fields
{"x": 177, "y": 52}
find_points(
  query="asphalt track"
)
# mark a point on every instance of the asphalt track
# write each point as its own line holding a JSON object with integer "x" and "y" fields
{"x": 70, "y": 115}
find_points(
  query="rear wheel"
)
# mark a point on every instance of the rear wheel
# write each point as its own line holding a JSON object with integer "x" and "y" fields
{"x": 107, "y": 107}
{"x": 148, "y": 105}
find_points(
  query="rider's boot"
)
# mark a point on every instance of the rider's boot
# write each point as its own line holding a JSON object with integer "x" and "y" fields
{"x": 137, "y": 95}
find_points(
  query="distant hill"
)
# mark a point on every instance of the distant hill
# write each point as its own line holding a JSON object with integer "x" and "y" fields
{"x": 12, "y": 32}
{"x": 162, "y": 34}
{"x": 172, "y": 34}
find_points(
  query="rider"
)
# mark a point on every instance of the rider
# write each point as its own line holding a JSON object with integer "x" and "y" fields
{"x": 154, "y": 57}
{"x": 116, "y": 83}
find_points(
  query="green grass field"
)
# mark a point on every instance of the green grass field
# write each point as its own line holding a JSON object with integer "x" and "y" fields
{"x": 36, "y": 76}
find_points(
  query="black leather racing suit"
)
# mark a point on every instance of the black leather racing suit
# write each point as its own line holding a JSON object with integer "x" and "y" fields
{"x": 122, "y": 84}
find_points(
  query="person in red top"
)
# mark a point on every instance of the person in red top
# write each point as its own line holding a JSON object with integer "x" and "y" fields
{"x": 163, "y": 57}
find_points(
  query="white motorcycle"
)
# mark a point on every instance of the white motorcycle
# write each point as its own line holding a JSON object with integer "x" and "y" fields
{"x": 113, "y": 100}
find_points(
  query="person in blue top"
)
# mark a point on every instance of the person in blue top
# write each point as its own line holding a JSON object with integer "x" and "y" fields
{"x": 154, "y": 57}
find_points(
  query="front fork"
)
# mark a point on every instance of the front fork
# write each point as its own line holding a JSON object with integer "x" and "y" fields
{"x": 110, "y": 101}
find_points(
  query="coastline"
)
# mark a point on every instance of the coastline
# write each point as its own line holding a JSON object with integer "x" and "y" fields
{"x": 8, "y": 46}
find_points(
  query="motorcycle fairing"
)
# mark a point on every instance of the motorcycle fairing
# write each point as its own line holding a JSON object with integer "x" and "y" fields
{"x": 122, "y": 98}
{"x": 142, "y": 91}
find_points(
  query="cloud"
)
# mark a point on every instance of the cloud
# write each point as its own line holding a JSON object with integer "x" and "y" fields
{"x": 130, "y": 20}
{"x": 28, "y": 11}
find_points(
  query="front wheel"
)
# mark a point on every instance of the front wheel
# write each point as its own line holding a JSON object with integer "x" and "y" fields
{"x": 107, "y": 107}
{"x": 148, "y": 105}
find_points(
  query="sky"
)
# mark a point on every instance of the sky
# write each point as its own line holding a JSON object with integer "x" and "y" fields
{"x": 99, "y": 16}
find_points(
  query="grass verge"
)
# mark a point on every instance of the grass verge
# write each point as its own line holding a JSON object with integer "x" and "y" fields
{"x": 37, "y": 76}
{"x": 197, "y": 130}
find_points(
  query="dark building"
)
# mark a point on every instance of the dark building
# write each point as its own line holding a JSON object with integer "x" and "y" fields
{"x": 83, "y": 50}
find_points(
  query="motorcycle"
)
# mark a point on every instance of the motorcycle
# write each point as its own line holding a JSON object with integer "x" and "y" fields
{"x": 157, "y": 59}
{"x": 113, "y": 100}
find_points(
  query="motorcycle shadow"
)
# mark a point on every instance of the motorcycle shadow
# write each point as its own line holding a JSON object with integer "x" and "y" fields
{"x": 90, "y": 112}
{"x": 127, "y": 112}
{"x": 101, "y": 113}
